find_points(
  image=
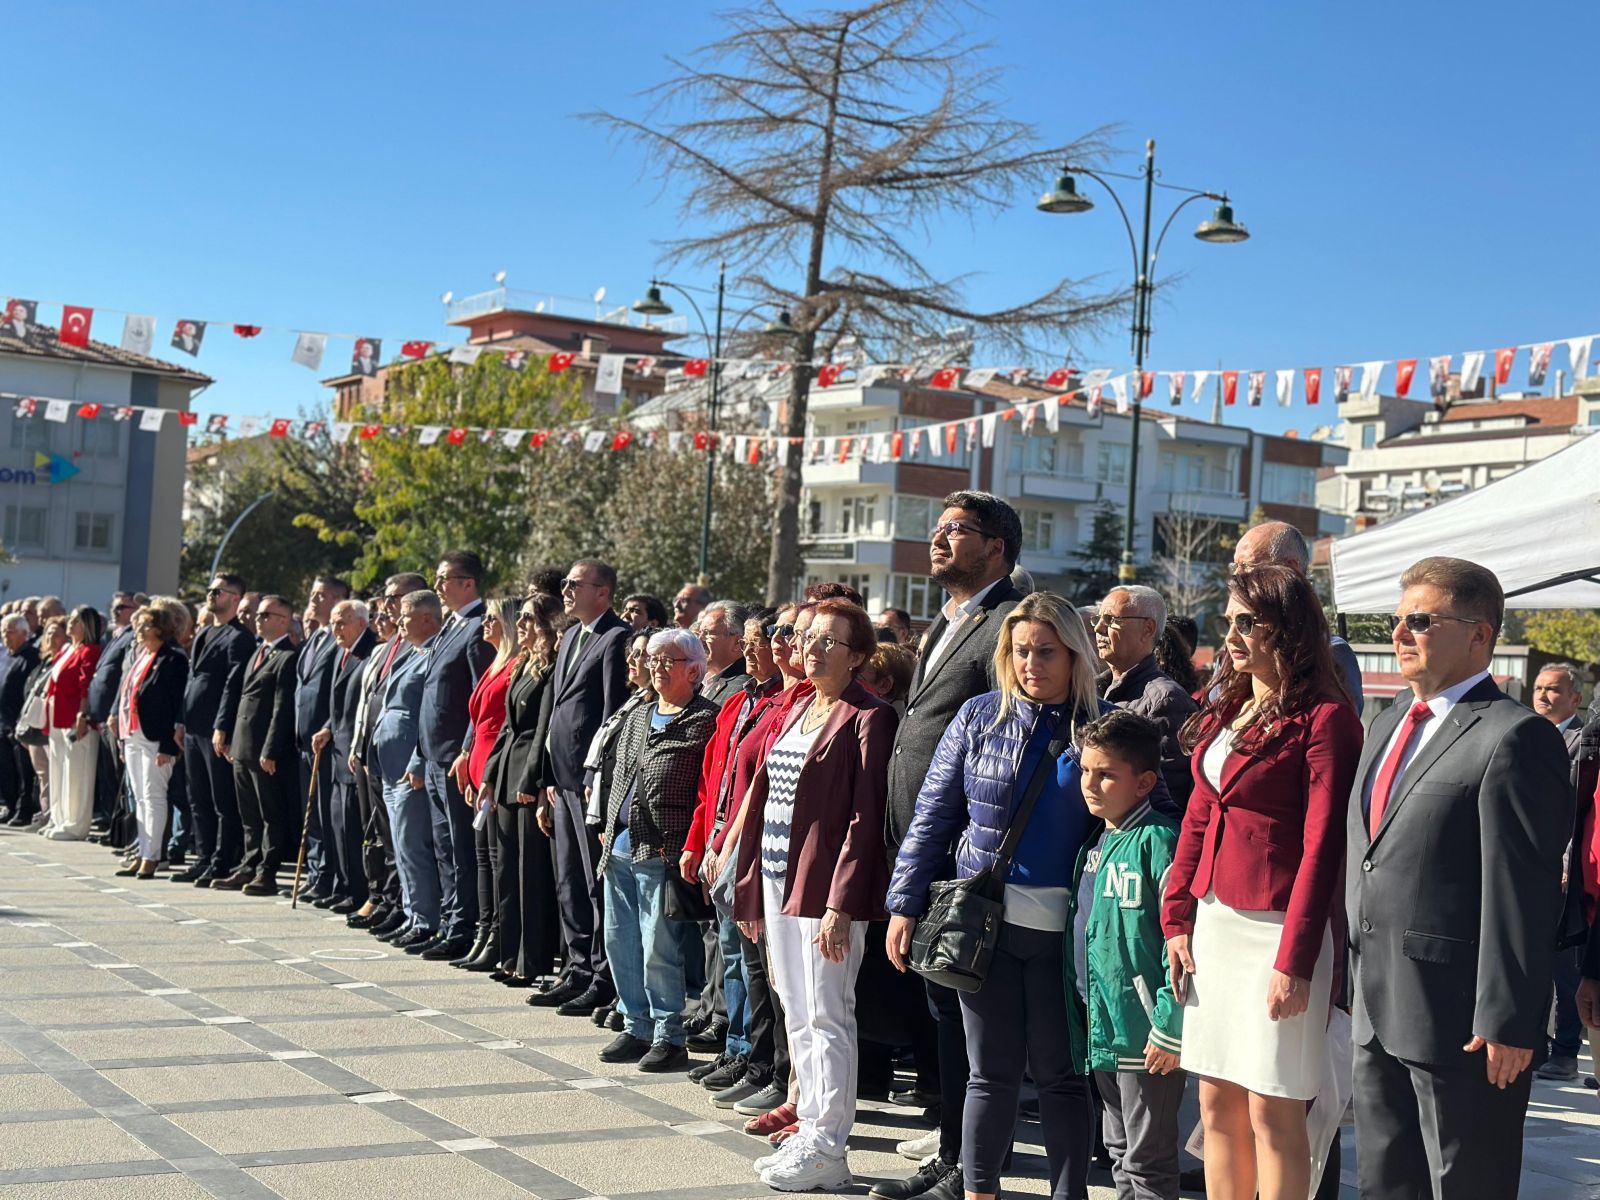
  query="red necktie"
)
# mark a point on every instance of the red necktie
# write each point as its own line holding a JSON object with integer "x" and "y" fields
{"x": 394, "y": 647}
{"x": 1419, "y": 716}
{"x": 261, "y": 656}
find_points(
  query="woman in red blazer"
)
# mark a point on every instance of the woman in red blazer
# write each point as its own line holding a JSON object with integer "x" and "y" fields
{"x": 1256, "y": 881}
{"x": 812, "y": 873}
{"x": 74, "y": 746}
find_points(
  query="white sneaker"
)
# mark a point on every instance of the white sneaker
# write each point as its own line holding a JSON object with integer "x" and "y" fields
{"x": 920, "y": 1148}
{"x": 809, "y": 1172}
{"x": 785, "y": 1151}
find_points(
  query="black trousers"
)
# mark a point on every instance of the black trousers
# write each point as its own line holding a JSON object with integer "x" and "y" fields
{"x": 1018, "y": 1021}
{"x": 377, "y": 842}
{"x": 13, "y": 787}
{"x": 577, "y": 851}
{"x": 945, "y": 1005}
{"x": 527, "y": 930}
{"x": 265, "y": 804}
{"x": 342, "y": 840}
{"x": 769, "y": 1037}
{"x": 107, "y": 776}
{"x": 313, "y": 822}
{"x": 213, "y": 807}
{"x": 1448, "y": 1124}
{"x": 483, "y": 854}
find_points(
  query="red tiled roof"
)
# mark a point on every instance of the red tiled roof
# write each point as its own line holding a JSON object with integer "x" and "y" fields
{"x": 42, "y": 342}
{"x": 1540, "y": 410}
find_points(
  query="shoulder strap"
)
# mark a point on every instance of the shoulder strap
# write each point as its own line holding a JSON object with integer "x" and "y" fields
{"x": 1041, "y": 774}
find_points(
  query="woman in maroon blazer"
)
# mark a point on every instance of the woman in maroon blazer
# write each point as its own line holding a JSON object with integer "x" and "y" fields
{"x": 812, "y": 873}
{"x": 1256, "y": 882}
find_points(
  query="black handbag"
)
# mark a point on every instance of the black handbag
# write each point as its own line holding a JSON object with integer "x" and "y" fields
{"x": 685, "y": 901}
{"x": 954, "y": 941}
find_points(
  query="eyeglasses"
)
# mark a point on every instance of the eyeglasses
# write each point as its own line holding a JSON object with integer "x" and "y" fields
{"x": 1422, "y": 622}
{"x": 210, "y": 591}
{"x": 265, "y": 613}
{"x": 754, "y": 643}
{"x": 780, "y": 633}
{"x": 664, "y": 661}
{"x": 825, "y": 642}
{"x": 637, "y": 656}
{"x": 951, "y": 528}
{"x": 450, "y": 578}
{"x": 1114, "y": 620}
{"x": 1244, "y": 624}
{"x": 126, "y": 607}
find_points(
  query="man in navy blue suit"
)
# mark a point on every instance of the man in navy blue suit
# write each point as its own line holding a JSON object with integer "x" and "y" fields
{"x": 324, "y": 883}
{"x": 456, "y": 657}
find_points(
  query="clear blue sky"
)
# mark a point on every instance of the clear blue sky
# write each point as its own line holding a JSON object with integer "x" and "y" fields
{"x": 1419, "y": 178}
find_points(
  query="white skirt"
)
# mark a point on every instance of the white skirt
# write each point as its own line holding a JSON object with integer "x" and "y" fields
{"x": 1227, "y": 1034}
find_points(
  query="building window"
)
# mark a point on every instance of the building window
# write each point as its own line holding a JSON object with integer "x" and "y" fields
{"x": 1369, "y": 436}
{"x": 25, "y": 527}
{"x": 917, "y": 594}
{"x": 92, "y": 532}
{"x": 1038, "y": 530}
{"x": 30, "y": 433}
{"x": 814, "y": 517}
{"x": 862, "y": 584}
{"x": 99, "y": 438}
{"x": 914, "y": 517}
{"x": 1036, "y": 454}
{"x": 1111, "y": 463}
{"x": 858, "y": 515}
{"x": 1594, "y": 416}
{"x": 1285, "y": 484}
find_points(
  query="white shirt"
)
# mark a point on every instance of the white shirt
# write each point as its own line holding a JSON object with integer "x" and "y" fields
{"x": 955, "y": 616}
{"x": 1442, "y": 704}
{"x": 467, "y": 610}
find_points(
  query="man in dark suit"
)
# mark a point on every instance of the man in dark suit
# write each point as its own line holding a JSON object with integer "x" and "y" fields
{"x": 210, "y": 704}
{"x": 455, "y": 659}
{"x": 1459, "y": 814}
{"x": 103, "y": 688}
{"x": 972, "y": 549}
{"x": 313, "y": 685}
{"x": 591, "y": 683}
{"x": 353, "y": 640}
{"x": 262, "y": 742}
{"x": 16, "y": 766}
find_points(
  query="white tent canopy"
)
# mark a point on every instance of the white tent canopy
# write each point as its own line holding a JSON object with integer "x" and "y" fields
{"x": 1537, "y": 529}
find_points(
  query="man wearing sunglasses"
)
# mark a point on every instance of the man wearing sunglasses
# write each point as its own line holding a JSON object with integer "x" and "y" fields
{"x": 1459, "y": 816}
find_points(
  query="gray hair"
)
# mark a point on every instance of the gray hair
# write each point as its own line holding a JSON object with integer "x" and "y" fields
{"x": 1022, "y": 580}
{"x": 423, "y": 599}
{"x": 1570, "y": 670}
{"x": 51, "y": 606}
{"x": 14, "y": 621}
{"x": 734, "y": 615}
{"x": 1285, "y": 544}
{"x": 680, "y": 639}
{"x": 358, "y": 608}
{"x": 1146, "y": 602}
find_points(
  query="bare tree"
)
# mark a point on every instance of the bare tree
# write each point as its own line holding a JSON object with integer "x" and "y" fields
{"x": 817, "y": 148}
{"x": 1190, "y": 566}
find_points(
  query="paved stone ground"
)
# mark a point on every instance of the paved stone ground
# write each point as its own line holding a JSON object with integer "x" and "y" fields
{"x": 167, "y": 1042}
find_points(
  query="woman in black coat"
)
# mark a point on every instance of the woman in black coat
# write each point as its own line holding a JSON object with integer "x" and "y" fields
{"x": 149, "y": 712}
{"x": 524, "y": 931}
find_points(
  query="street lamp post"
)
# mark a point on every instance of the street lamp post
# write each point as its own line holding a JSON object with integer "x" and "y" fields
{"x": 1221, "y": 228}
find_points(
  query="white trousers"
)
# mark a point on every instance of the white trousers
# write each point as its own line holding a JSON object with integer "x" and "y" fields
{"x": 149, "y": 783}
{"x": 819, "y": 1013}
{"x": 72, "y": 768}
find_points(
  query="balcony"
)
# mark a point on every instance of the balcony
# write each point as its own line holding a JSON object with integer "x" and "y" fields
{"x": 866, "y": 549}
{"x": 1036, "y": 485}
{"x": 849, "y": 396}
{"x": 503, "y": 299}
{"x": 831, "y": 472}
{"x": 1230, "y": 506}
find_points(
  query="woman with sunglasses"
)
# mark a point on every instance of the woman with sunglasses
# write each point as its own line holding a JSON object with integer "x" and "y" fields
{"x": 1253, "y": 898}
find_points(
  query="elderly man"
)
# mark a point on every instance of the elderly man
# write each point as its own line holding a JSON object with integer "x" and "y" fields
{"x": 354, "y": 641}
{"x": 721, "y": 632}
{"x": 894, "y": 625}
{"x": 1558, "y": 698}
{"x": 1127, "y": 628}
{"x": 688, "y": 604}
{"x": 16, "y": 767}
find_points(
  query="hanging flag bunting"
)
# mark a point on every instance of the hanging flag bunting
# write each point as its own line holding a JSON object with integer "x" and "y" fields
{"x": 26, "y": 407}
{"x": 511, "y": 439}
{"x": 1439, "y": 377}
{"x": 1230, "y": 387}
{"x": 981, "y": 378}
{"x": 218, "y": 423}
{"x": 1052, "y": 414}
{"x": 1019, "y": 375}
{"x": 1370, "y": 371}
{"x": 138, "y": 334}
{"x": 1175, "y": 382}
{"x": 365, "y": 356}
{"x": 122, "y": 412}
{"x": 988, "y": 422}
{"x": 150, "y": 419}
{"x": 1030, "y": 414}
{"x": 1092, "y": 405}
{"x": 695, "y": 368}
{"x": 368, "y": 433}
{"x": 845, "y": 446}
{"x": 1096, "y": 378}
{"x": 1578, "y": 350}
{"x": 1539, "y": 362}
{"x": 971, "y": 425}
{"x": 467, "y": 355}
{"x": 1502, "y": 365}
{"x": 1341, "y": 384}
{"x": 279, "y": 428}
{"x": 75, "y": 325}
{"x": 1058, "y": 378}
{"x": 247, "y": 331}
{"x": 427, "y": 435}
{"x": 339, "y": 431}
{"x": 248, "y": 426}
{"x": 57, "y": 410}
{"x": 1404, "y": 371}
{"x": 753, "y": 452}
{"x": 1119, "y": 392}
{"x": 512, "y": 360}
{"x": 88, "y": 412}
{"x": 595, "y": 440}
{"x": 308, "y": 348}
{"x": 828, "y": 374}
{"x": 1201, "y": 378}
{"x": 187, "y": 336}
{"x": 897, "y": 445}
{"x": 1471, "y": 370}
{"x": 20, "y": 317}
{"x": 1285, "y": 381}
{"x": 945, "y": 378}
{"x": 608, "y": 378}
{"x": 538, "y": 440}
{"x": 1256, "y": 387}
{"x": 415, "y": 349}
{"x": 1313, "y": 385}
{"x": 644, "y": 367}
{"x": 1147, "y": 384}
{"x": 560, "y": 362}
{"x": 188, "y": 418}
{"x": 914, "y": 442}
{"x": 870, "y": 375}
{"x": 456, "y": 436}
{"x": 315, "y": 429}
{"x": 622, "y": 439}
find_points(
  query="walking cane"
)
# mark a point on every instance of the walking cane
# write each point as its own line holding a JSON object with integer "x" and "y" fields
{"x": 305, "y": 828}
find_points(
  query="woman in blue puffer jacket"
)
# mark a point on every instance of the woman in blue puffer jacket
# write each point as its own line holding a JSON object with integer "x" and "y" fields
{"x": 1045, "y": 667}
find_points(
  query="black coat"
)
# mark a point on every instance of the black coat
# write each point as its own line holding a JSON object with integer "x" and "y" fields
{"x": 313, "y": 676}
{"x": 586, "y": 693}
{"x": 517, "y": 760}
{"x": 14, "y": 672}
{"x": 106, "y": 682}
{"x": 160, "y": 696}
{"x": 264, "y": 727}
{"x": 344, "y": 696}
{"x": 216, "y": 670}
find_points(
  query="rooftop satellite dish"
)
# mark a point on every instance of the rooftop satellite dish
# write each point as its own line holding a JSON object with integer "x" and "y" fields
{"x": 499, "y": 276}
{"x": 447, "y": 297}
{"x": 599, "y": 294}
{"x": 1431, "y": 482}
{"x": 539, "y": 307}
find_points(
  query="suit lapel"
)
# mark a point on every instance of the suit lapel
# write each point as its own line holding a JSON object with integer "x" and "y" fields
{"x": 967, "y": 628}
{"x": 1462, "y": 718}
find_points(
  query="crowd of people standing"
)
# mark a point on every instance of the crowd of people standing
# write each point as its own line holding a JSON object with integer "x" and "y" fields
{"x": 753, "y": 830}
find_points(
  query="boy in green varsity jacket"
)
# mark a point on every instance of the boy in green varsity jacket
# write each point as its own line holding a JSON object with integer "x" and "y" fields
{"x": 1132, "y": 1023}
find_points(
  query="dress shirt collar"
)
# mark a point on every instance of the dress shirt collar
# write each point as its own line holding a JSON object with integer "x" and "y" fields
{"x": 281, "y": 643}
{"x": 1452, "y": 695}
{"x": 954, "y": 612}
{"x": 467, "y": 611}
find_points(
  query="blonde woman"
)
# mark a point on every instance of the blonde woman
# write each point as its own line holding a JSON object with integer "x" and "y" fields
{"x": 149, "y": 717}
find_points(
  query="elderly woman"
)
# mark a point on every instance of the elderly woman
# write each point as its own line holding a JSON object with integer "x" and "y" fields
{"x": 811, "y": 875}
{"x": 1045, "y": 665}
{"x": 149, "y": 712}
{"x": 74, "y": 745}
{"x": 651, "y": 804}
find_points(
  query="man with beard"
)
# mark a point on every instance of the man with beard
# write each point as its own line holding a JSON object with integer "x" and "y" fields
{"x": 972, "y": 550}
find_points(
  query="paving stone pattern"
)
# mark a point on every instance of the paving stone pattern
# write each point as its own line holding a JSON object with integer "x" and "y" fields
{"x": 163, "y": 1041}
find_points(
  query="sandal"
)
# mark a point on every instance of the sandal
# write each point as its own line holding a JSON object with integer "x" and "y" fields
{"x": 783, "y": 1135}
{"x": 770, "y": 1122}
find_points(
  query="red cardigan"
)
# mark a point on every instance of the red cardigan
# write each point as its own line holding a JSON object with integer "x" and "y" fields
{"x": 1274, "y": 839}
{"x": 487, "y": 710}
{"x": 66, "y": 693}
{"x": 836, "y": 856}
{"x": 715, "y": 765}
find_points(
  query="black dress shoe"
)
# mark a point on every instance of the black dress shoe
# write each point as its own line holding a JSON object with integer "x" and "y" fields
{"x": 371, "y": 921}
{"x": 188, "y": 875}
{"x": 206, "y": 880}
{"x": 712, "y": 1036}
{"x": 624, "y": 1048}
{"x": 413, "y": 938}
{"x": 426, "y": 943}
{"x": 596, "y": 995}
{"x": 345, "y": 907}
{"x": 446, "y": 948}
{"x": 327, "y": 901}
{"x": 232, "y": 883}
{"x": 513, "y": 981}
{"x": 603, "y": 1014}
{"x": 479, "y": 942}
{"x": 390, "y": 929}
{"x": 557, "y": 995}
{"x": 664, "y": 1056}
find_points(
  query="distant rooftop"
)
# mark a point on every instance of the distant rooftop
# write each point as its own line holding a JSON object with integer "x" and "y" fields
{"x": 44, "y": 342}
{"x": 503, "y": 299}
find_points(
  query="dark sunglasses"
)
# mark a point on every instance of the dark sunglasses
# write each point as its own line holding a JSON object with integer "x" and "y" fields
{"x": 1422, "y": 622}
{"x": 1244, "y": 624}
{"x": 774, "y": 632}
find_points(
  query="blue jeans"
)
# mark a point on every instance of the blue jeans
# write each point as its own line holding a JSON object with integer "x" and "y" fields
{"x": 410, "y": 822}
{"x": 734, "y": 996}
{"x": 642, "y": 946}
{"x": 455, "y": 853}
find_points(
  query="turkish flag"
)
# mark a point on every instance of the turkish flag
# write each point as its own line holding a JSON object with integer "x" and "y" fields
{"x": 75, "y": 323}
{"x": 1403, "y": 371}
{"x": 188, "y": 418}
{"x": 560, "y": 362}
{"x": 897, "y": 445}
{"x": 89, "y": 411}
{"x": 247, "y": 331}
{"x": 416, "y": 349}
{"x": 828, "y": 374}
{"x": 1147, "y": 384}
{"x": 280, "y": 427}
{"x": 456, "y": 436}
{"x": 124, "y": 413}
{"x": 754, "y": 458}
{"x": 1230, "y": 387}
{"x": 844, "y": 450}
{"x": 950, "y": 438}
{"x": 369, "y": 432}
{"x": 695, "y": 367}
{"x": 622, "y": 440}
{"x": 1502, "y": 365}
{"x": 1057, "y": 378}
{"x": 1313, "y": 385}
{"x": 538, "y": 440}
{"x": 945, "y": 377}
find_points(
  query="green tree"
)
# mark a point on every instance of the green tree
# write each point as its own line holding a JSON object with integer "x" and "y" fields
{"x": 1571, "y": 633}
{"x": 1100, "y": 557}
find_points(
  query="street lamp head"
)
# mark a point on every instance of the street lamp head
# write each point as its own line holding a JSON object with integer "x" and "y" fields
{"x": 1222, "y": 227}
{"x": 782, "y": 327}
{"x": 1064, "y": 197}
{"x": 652, "y": 305}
